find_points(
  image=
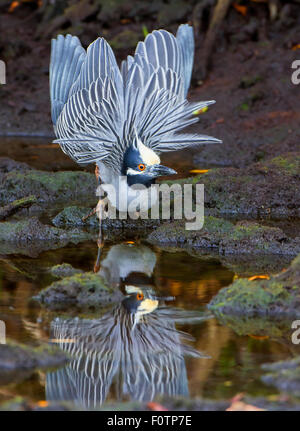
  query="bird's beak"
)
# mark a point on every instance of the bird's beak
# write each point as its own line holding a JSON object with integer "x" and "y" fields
{"x": 160, "y": 170}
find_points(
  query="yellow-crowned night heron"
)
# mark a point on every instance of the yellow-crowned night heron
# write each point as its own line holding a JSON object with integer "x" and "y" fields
{"x": 139, "y": 358}
{"x": 122, "y": 119}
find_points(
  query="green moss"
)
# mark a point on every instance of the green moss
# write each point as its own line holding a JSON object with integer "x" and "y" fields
{"x": 47, "y": 186}
{"x": 64, "y": 270}
{"x": 278, "y": 295}
{"x": 290, "y": 166}
{"x": 79, "y": 290}
{"x": 72, "y": 216}
{"x": 246, "y": 191}
{"x": 244, "y": 237}
{"x": 217, "y": 226}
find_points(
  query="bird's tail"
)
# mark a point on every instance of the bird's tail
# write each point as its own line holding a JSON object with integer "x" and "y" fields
{"x": 67, "y": 56}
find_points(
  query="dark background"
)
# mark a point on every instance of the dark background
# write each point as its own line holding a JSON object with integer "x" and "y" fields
{"x": 244, "y": 52}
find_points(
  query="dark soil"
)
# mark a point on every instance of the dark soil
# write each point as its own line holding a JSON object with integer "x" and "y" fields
{"x": 257, "y": 110}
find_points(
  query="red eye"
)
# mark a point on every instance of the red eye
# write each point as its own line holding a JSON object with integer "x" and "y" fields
{"x": 139, "y": 296}
{"x": 142, "y": 167}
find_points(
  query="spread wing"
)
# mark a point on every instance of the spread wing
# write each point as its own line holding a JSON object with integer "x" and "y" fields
{"x": 97, "y": 109}
{"x": 89, "y": 123}
{"x": 156, "y": 83}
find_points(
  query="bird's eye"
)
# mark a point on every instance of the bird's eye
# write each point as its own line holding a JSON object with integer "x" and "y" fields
{"x": 142, "y": 167}
{"x": 139, "y": 296}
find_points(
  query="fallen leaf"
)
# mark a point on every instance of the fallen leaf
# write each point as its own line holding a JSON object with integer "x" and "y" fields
{"x": 255, "y": 277}
{"x": 198, "y": 171}
{"x": 43, "y": 403}
{"x": 240, "y": 406}
{"x": 13, "y": 6}
{"x": 259, "y": 337}
{"x": 237, "y": 405}
{"x": 156, "y": 407}
{"x": 241, "y": 9}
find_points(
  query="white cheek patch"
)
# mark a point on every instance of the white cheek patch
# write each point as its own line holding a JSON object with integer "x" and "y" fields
{"x": 147, "y": 306}
{"x": 131, "y": 171}
{"x": 148, "y": 156}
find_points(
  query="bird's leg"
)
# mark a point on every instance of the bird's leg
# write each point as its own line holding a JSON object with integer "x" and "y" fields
{"x": 100, "y": 241}
{"x": 94, "y": 210}
{"x": 97, "y": 173}
{"x": 97, "y": 263}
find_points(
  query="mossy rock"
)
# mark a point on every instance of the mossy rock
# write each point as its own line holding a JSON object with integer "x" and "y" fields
{"x": 48, "y": 187}
{"x": 73, "y": 216}
{"x": 270, "y": 188}
{"x": 257, "y": 327}
{"x": 227, "y": 238}
{"x": 31, "y": 237}
{"x": 278, "y": 296}
{"x": 284, "y": 375}
{"x": 16, "y": 356}
{"x": 84, "y": 290}
{"x": 64, "y": 270}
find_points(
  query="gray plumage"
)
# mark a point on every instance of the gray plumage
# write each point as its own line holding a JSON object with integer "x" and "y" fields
{"x": 98, "y": 109}
{"x": 141, "y": 361}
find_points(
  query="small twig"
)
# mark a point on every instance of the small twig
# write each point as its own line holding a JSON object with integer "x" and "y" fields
{"x": 14, "y": 206}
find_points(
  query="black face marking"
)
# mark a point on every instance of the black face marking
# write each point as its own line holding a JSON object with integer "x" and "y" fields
{"x": 132, "y": 159}
{"x": 131, "y": 303}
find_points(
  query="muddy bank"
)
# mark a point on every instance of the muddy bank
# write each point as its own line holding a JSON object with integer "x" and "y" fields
{"x": 31, "y": 237}
{"x": 275, "y": 297}
{"x": 227, "y": 238}
{"x": 15, "y": 356}
{"x": 270, "y": 188}
{"x": 82, "y": 291}
{"x": 18, "y": 180}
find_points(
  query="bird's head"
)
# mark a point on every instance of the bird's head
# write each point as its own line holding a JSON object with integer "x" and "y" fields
{"x": 142, "y": 165}
{"x": 141, "y": 301}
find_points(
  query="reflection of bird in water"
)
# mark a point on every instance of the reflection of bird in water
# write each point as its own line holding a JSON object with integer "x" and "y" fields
{"x": 142, "y": 357}
{"x": 124, "y": 259}
{"x": 134, "y": 348}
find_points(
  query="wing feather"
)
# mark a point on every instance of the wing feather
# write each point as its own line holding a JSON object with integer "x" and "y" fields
{"x": 102, "y": 108}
